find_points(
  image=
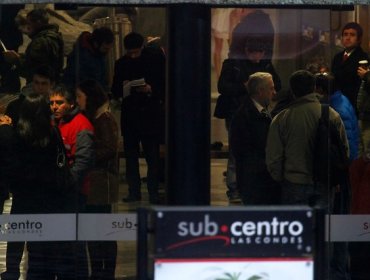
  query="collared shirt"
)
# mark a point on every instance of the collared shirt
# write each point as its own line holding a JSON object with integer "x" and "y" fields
{"x": 258, "y": 106}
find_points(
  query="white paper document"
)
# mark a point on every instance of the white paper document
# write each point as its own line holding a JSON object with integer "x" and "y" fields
{"x": 134, "y": 83}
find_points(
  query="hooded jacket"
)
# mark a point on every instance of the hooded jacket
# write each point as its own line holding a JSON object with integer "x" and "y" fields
{"x": 85, "y": 62}
{"x": 46, "y": 48}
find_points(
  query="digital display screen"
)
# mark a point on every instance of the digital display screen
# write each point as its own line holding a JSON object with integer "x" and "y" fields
{"x": 234, "y": 269}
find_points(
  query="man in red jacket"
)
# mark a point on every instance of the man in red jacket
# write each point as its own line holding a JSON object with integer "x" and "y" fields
{"x": 77, "y": 133}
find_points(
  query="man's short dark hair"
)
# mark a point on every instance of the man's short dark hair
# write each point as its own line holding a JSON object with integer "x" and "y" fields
{"x": 46, "y": 72}
{"x": 325, "y": 82}
{"x": 38, "y": 15}
{"x": 355, "y": 26}
{"x": 102, "y": 35}
{"x": 61, "y": 90}
{"x": 302, "y": 83}
{"x": 133, "y": 40}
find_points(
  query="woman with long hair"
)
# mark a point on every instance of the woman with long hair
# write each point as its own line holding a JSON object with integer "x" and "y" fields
{"x": 94, "y": 103}
{"x": 36, "y": 191}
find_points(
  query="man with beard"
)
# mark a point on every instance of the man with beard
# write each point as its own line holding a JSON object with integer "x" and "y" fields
{"x": 45, "y": 49}
{"x": 88, "y": 58}
{"x": 139, "y": 79}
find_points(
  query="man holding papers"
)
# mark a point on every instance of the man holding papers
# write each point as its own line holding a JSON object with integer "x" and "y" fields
{"x": 139, "y": 79}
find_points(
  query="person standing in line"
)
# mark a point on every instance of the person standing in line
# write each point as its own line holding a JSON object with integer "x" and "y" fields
{"x": 248, "y": 135}
{"x": 94, "y": 104}
{"x": 88, "y": 58}
{"x": 78, "y": 136}
{"x": 345, "y": 63}
{"x": 290, "y": 144}
{"x": 326, "y": 85}
{"x": 35, "y": 192}
{"x": 43, "y": 80}
{"x": 42, "y": 83}
{"x": 234, "y": 74}
{"x": 45, "y": 49}
{"x": 142, "y": 74}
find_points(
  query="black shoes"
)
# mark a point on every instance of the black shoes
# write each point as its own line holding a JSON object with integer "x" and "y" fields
{"x": 131, "y": 198}
{"x": 233, "y": 196}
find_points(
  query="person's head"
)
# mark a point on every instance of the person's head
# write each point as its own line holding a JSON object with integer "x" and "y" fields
{"x": 62, "y": 101}
{"x": 260, "y": 87}
{"x": 102, "y": 39}
{"x": 302, "y": 83}
{"x": 325, "y": 84}
{"x": 90, "y": 97}
{"x": 351, "y": 35}
{"x": 34, "y": 125}
{"x": 133, "y": 43}
{"x": 35, "y": 20}
{"x": 43, "y": 80}
{"x": 254, "y": 51}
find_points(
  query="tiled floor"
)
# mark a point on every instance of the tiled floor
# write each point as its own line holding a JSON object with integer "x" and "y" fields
{"x": 126, "y": 260}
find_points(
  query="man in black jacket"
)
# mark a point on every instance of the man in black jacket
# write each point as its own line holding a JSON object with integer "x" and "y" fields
{"x": 139, "y": 79}
{"x": 345, "y": 63}
{"x": 248, "y": 134}
{"x": 234, "y": 74}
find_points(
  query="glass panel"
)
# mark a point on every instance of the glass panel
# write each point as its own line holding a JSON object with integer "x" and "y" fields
{"x": 93, "y": 41}
{"x": 299, "y": 39}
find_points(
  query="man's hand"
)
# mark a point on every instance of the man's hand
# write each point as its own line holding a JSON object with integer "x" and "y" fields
{"x": 11, "y": 56}
{"x": 145, "y": 89}
{"x": 361, "y": 72}
{"x": 4, "y": 119}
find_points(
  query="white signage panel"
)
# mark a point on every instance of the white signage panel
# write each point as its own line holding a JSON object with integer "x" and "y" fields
{"x": 264, "y": 269}
{"x": 107, "y": 227}
{"x": 351, "y": 228}
{"x": 38, "y": 227}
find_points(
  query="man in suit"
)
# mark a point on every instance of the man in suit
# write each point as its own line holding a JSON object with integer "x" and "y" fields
{"x": 345, "y": 63}
{"x": 248, "y": 134}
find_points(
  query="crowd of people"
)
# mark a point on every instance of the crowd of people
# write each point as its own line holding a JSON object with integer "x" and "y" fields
{"x": 272, "y": 148}
{"x": 61, "y": 126}
{"x": 273, "y": 136}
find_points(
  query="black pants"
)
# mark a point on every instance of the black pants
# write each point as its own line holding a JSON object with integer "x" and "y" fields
{"x": 150, "y": 144}
{"x": 103, "y": 254}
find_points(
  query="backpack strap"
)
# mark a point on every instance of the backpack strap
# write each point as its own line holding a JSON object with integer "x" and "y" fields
{"x": 325, "y": 112}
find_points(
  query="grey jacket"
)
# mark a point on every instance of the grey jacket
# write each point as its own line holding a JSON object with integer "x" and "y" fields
{"x": 363, "y": 101}
{"x": 290, "y": 142}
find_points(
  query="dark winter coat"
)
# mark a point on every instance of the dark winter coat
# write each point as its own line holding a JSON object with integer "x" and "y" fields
{"x": 143, "y": 111}
{"x": 85, "y": 62}
{"x": 35, "y": 189}
{"x": 104, "y": 178}
{"x": 345, "y": 73}
{"x": 46, "y": 48}
{"x": 249, "y": 130}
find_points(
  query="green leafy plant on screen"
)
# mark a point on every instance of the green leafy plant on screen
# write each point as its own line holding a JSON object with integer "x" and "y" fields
{"x": 236, "y": 276}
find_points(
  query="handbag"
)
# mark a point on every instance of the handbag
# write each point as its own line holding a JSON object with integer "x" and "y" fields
{"x": 65, "y": 180}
